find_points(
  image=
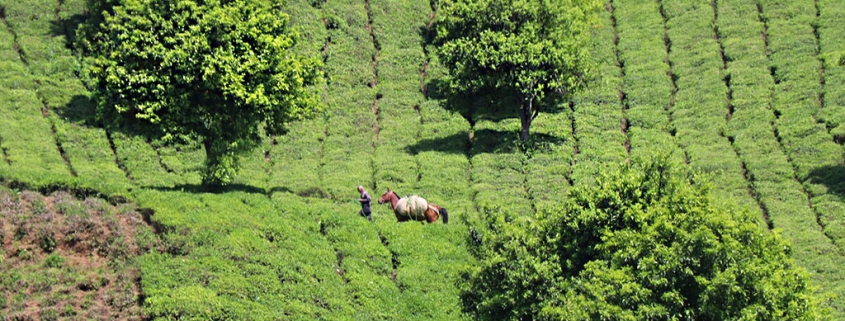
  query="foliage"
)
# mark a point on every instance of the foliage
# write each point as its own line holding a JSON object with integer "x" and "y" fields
{"x": 531, "y": 49}
{"x": 301, "y": 253}
{"x": 647, "y": 242}
{"x": 218, "y": 72}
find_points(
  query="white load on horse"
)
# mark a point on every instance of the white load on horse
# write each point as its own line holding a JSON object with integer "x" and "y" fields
{"x": 412, "y": 206}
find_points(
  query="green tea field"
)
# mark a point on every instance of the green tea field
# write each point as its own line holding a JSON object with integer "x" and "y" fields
{"x": 737, "y": 89}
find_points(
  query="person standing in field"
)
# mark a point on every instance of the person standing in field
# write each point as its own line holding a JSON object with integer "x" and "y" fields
{"x": 365, "y": 203}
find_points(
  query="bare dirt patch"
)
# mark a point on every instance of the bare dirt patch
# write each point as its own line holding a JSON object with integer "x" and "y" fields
{"x": 66, "y": 258}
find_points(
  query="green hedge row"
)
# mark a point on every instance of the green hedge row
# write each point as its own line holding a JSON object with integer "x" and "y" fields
{"x": 810, "y": 147}
{"x": 444, "y": 167}
{"x": 240, "y": 256}
{"x": 53, "y": 68}
{"x": 646, "y": 82}
{"x": 832, "y": 205}
{"x": 348, "y": 151}
{"x": 428, "y": 259}
{"x": 830, "y": 31}
{"x": 364, "y": 264}
{"x": 498, "y": 167}
{"x": 548, "y": 164}
{"x": 295, "y": 159}
{"x": 701, "y": 102}
{"x": 425, "y": 257}
{"x": 597, "y": 111}
{"x": 142, "y": 162}
{"x": 377, "y": 295}
{"x": 29, "y": 149}
{"x": 771, "y": 174}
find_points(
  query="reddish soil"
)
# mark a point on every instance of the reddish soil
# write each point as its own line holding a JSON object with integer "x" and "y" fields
{"x": 65, "y": 258}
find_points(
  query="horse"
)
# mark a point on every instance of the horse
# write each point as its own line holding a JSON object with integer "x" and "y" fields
{"x": 413, "y": 208}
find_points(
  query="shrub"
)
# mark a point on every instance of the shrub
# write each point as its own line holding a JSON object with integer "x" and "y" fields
{"x": 68, "y": 311}
{"x": 24, "y": 254}
{"x": 648, "y": 242}
{"x": 54, "y": 261}
{"x": 145, "y": 239}
{"x": 49, "y": 315}
{"x": 177, "y": 243}
{"x": 47, "y": 241}
{"x": 116, "y": 248}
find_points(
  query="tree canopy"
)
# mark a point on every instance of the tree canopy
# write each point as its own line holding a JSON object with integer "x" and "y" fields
{"x": 215, "y": 71}
{"x": 535, "y": 50}
{"x": 648, "y": 242}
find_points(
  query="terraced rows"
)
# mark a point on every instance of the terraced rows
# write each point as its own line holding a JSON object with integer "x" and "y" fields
{"x": 296, "y": 160}
{"x": 735, "y": 88}
{"x": 598, "y": 113}
{"x": 646, "y": 81}
{"x": 831, "y": 15}
{"x": 796, "y": 99}
{"x": 702, "y": 103}
{"x": 348, "y": 155}
{"x": 754, "y": 126}
{"x": 29, "y": 149}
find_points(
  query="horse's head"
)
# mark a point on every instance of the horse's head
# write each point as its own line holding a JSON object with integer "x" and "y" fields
{"x": 385, "y": 197}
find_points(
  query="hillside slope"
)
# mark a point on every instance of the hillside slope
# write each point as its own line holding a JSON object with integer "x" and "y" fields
{"x": 66, "y": 257}
{"x": 735, "y": 88}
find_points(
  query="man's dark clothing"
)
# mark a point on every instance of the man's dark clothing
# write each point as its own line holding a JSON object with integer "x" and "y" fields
{"x": 365, "y": 206}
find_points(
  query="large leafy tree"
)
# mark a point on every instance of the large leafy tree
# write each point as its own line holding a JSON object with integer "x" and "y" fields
{"x": 647, "y": 242}
{"x": 219, "y": 72}
{"x": 536, "y": 50}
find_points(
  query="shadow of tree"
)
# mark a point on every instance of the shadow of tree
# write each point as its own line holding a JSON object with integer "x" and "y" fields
{"x": 81, "y": 111}
{"x": 484, "y": 141}
{"x": 234, "y": 187}
{"x": 67, "y": 27}
{"x": 484, "y": 105}
{"x": 831, "y": 176}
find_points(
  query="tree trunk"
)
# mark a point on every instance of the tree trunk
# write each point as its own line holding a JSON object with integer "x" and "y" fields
{"x": 209, "y": 179}
{"x": 209, "y": 156}
{"x": 526, "y": 114}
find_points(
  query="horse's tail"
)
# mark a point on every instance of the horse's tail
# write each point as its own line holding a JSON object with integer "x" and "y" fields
{"x": 445, "y": 215}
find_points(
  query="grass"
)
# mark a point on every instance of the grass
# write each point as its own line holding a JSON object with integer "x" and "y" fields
{"x": 284, "y": 241}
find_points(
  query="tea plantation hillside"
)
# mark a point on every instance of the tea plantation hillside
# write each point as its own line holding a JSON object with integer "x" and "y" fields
{"x": 739, "y": 89}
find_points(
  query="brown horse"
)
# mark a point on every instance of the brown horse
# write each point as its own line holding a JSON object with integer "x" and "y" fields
{"x": 413, "y": 208}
